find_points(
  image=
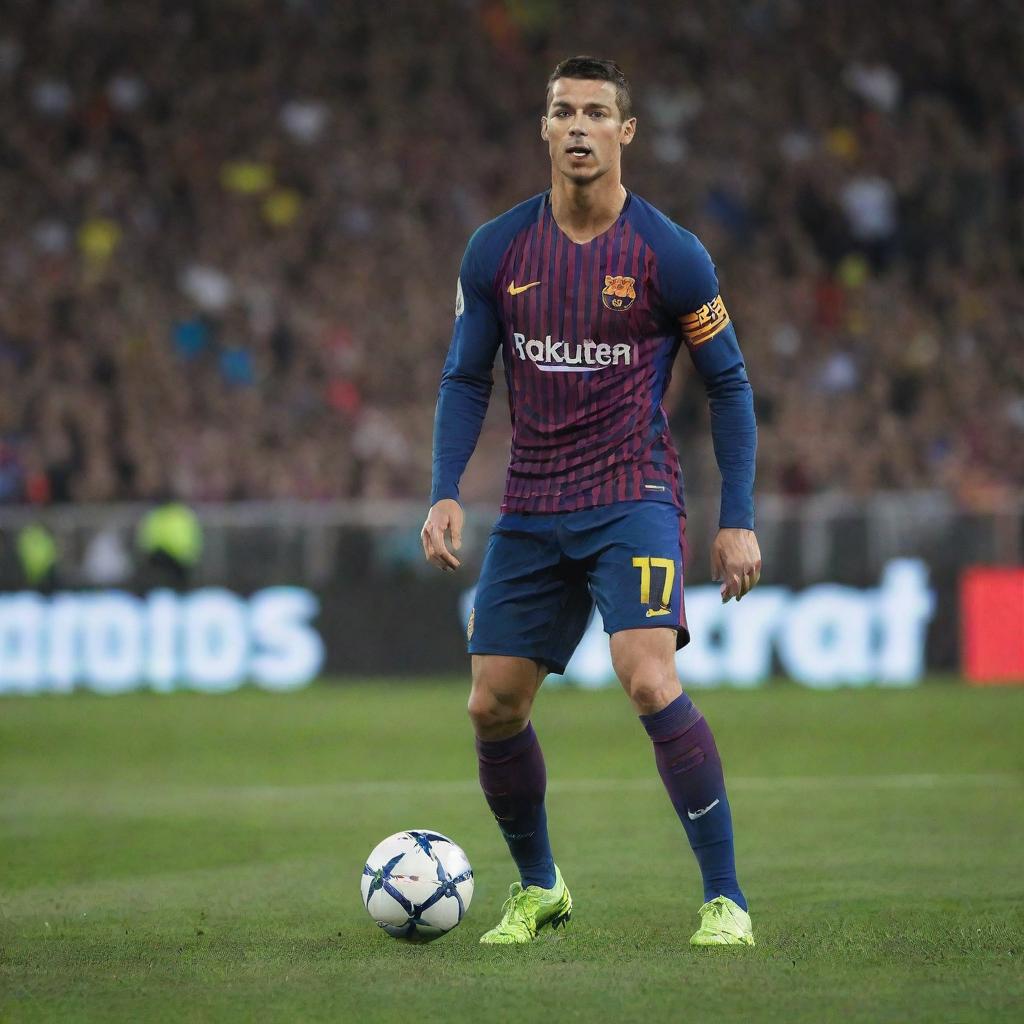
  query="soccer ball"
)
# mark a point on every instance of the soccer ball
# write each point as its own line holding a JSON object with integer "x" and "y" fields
{"x": 417, "y": 885}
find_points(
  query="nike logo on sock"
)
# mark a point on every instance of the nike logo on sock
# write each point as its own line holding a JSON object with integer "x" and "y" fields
{"x": 694, "y": 815}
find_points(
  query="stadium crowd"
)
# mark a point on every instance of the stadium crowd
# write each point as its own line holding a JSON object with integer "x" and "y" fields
{"x": 229, "y": 232}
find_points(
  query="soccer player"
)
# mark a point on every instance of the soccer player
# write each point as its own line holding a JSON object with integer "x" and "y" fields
{"x": 589, "y": 292}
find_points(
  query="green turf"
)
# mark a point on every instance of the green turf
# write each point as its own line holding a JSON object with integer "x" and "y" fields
{"x": 195, "y": 858}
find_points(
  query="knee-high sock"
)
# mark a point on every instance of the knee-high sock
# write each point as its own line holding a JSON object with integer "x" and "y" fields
{"x": 691, "y": 770}
{"x": 514, "y": 780}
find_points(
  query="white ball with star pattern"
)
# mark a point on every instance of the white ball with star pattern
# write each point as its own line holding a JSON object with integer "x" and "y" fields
{"x": 417, "y": 885}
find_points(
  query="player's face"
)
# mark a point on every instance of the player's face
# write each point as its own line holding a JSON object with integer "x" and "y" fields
{"x": 584, "y": 130}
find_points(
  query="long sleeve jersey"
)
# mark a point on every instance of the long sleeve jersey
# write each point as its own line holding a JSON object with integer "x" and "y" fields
{"x": 588, "y": 334}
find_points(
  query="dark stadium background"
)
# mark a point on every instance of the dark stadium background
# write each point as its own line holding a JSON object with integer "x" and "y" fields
{"x": 229, "y": 239}
{"x": 230, "y": 233}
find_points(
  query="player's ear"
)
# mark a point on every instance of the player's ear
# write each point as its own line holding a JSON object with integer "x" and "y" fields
{"x": 628, "y": 131}
{"x": 544, "y": 128}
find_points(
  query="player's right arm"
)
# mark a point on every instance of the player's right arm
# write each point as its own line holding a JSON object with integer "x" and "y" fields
{"x": 462, "y": 401}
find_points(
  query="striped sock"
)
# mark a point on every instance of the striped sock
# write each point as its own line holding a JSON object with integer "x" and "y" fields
{"x": 690, "y": 768}
{"x": 514, "y": 780}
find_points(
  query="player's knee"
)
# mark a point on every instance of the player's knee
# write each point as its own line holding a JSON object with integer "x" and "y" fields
{"x": 651, "y": 686}
{"x": 495, "y": 716}
{"x": 497, "y": 711}
{"x": 502, "y": 696}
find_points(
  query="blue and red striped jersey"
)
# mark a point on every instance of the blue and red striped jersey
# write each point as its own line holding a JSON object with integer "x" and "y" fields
{"x": 588, "y": 334}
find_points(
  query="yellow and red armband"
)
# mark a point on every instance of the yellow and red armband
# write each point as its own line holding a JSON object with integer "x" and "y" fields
{"x": 704, "y": 323}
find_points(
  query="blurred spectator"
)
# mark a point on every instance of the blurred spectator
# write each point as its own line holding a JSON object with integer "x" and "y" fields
{"x": 229, "y": 236}
{"x": 37, "y": 556}
{"x": 106, "y": 562}
{"x": 170, "y": 538}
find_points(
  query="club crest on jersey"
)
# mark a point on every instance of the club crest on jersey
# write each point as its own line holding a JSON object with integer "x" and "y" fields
{"x": 619, "y": 292}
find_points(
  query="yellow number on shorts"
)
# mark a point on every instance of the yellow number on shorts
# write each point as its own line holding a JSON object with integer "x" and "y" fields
{"x": 645, "y": 565}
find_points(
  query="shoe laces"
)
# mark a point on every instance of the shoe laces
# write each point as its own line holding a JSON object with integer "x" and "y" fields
{"x": 516, "y": 910}
{"x": 717, "y": 910}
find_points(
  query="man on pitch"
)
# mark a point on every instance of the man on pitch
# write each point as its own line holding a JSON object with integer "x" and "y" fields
{"x": 590, "y": 292}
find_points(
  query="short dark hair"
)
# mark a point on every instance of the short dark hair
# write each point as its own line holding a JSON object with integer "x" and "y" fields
{"x": 600, "y": 70}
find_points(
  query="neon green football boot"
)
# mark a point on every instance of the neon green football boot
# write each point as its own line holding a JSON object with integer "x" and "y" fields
{"x": 528, "y": 910}
{"x": 723, "y": 922}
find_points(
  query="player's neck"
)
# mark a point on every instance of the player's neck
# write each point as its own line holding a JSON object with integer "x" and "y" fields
{"x": 585, "y": 211}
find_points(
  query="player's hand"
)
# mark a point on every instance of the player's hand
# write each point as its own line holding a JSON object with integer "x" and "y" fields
{"x": 445, "y": 516}
{"x": 735, "y": 562}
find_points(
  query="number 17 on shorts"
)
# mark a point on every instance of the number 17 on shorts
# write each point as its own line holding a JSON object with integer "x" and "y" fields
{"x": 667, "y": 567}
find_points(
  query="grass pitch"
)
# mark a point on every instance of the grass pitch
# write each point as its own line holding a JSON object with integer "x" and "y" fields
{"x": 196, "y": 858}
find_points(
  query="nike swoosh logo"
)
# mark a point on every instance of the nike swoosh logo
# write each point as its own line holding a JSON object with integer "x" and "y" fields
{"x": 513, "y": 290}
{"x": 694, "y": 815}
{"x": 651, "y": 612}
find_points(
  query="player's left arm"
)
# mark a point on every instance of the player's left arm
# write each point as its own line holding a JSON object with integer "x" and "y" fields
{"x": 735, "y": 555}
{"x": 710, "y": 338}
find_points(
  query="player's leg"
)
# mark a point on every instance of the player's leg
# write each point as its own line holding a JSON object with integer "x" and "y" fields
{"x": 691, "y": 770}
{"x": 510, "y": 761}
{"x": 514, "y": 780}
{"x": 529, "y": 611}
{"x": 637, "y": 580}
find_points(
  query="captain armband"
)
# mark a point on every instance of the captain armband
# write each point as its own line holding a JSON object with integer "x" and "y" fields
{"x": 704, "y": 323}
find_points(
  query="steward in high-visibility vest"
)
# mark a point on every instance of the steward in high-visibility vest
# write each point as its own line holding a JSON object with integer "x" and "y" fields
{"x": 171, "y": 538}
{"x": 37, "y": 555}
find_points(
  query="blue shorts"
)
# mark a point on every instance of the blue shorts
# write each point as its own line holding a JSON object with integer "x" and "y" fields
{"x": 542, "y": 574}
